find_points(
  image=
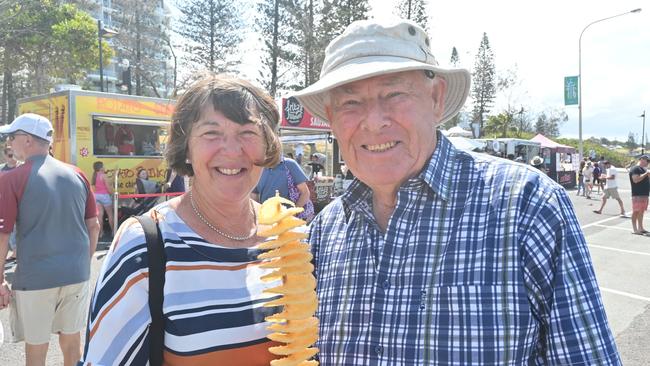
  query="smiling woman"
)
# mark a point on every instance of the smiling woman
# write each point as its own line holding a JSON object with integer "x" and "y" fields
{"x": 222, "y": 134}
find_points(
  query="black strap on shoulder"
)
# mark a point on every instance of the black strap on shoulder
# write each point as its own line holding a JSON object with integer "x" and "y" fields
{"x": 157, "y": 262}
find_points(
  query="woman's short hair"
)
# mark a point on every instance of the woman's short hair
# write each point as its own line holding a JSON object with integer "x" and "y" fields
{"x": 238, "y": 100}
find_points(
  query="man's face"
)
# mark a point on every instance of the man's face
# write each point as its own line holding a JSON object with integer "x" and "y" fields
{"x": 9, "y": 156}
{"x": 643, "y": 163}
{"x": 18, "y": 141}
{"x": 385, "y": 125}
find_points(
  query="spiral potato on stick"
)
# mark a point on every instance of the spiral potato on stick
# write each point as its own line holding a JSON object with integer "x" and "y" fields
{"x": 295, "y": 326}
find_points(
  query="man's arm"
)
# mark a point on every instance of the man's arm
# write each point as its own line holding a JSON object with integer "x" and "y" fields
{"x": 637, "y": 178}
{"x": 562, "y": 288}
{"x": 5, "y": 292}
{"x": 92, "y": 224}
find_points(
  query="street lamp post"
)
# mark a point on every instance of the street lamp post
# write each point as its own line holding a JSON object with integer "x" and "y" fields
{"x": 580, "y": 73}
{"x": 643, "y": 135}
{"x": 106, "y": 33}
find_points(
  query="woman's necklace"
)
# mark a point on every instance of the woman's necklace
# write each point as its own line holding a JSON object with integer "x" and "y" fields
{"x": 231, "y": 237}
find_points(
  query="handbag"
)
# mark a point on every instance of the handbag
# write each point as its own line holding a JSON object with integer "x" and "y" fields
{"x": 294, "y": 195}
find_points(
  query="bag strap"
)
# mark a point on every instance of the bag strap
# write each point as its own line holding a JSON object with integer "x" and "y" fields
{"x": 157, "y": 262}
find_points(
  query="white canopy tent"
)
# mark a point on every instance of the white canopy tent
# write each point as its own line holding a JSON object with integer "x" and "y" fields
{"x": 463, "y": 143}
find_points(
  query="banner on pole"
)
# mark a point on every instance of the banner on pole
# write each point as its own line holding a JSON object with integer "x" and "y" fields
{"x": 571, "y": 90}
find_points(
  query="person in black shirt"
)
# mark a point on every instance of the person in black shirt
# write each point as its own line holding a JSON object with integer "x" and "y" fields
{"x": 640, "y": 191}
{"x": 316, "y": 165}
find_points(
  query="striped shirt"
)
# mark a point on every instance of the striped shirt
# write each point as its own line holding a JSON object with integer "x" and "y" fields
{"x": 483, "y": 262}
{"x": 212, "y": 301}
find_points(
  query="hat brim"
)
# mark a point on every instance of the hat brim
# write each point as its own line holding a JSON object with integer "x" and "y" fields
{"x": 7, "y": 129}
{"x": 458, "y": 82}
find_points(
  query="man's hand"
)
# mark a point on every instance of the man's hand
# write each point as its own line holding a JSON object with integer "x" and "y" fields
{"x": 5, "y": 295}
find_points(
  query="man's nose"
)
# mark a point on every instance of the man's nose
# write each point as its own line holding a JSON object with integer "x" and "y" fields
{"x": 377, "y": 116}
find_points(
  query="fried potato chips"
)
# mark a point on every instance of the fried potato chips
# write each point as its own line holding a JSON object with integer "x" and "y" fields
{"x": 295, "y": 325}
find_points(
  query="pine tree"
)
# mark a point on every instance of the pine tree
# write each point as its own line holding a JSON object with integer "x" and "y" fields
{"x": 549, "y": 123}
{"x": 302, "y": 42}
{"x": 455, "y": 60}
{"x": 140, "y": 40}
{"x": 336, "y": 16}
{"x": 415, "y": 10}
{"x": 213, "y": 29}
{"x": 483, "y": 82}
{"x": 273, "y": 24}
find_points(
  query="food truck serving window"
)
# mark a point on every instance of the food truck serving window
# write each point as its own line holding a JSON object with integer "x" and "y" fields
{"x": 117, "y": 136}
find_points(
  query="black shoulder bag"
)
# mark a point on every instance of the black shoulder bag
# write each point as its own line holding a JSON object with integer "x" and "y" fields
{"x": 157, "y": 262}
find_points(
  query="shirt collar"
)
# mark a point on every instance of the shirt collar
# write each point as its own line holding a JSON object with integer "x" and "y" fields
{"x": 437, "y": 174}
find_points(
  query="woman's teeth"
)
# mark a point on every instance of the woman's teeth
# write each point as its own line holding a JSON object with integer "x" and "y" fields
{"x": 229, "y": 171}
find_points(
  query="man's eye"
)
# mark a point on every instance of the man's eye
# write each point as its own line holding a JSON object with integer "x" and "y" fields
{"x": 395, "y": 94}
{"x": 350, "y": 103}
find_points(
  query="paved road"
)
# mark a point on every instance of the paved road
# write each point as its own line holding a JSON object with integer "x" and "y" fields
{"x": 622, "y": 266}
{"x": 622, "y": 263}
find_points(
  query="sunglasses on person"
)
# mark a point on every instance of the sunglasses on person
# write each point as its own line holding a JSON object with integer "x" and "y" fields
{"x": 13, "y": 136}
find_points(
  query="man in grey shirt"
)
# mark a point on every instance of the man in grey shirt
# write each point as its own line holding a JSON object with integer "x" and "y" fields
{"x": 52, "y": 207}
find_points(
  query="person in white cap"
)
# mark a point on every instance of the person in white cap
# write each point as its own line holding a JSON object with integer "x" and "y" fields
{"x": 436, "y": 255}
{"x": 52, "y": 208}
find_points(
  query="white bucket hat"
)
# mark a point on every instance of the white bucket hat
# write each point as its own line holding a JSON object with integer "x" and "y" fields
{"x": 31, "y": 123}
{"x": 370, "y": 48}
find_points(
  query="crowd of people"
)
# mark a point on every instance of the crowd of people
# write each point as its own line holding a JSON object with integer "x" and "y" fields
{"x": 432, "y": 254}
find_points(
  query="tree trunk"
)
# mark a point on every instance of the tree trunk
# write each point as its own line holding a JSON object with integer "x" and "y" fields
{"x": 212, "y": 37}
{"x": 11, "y": 97}
{"x": 6, "y": 79}
{"x": 274, "y": 54}
{"x": 138, "y": 54}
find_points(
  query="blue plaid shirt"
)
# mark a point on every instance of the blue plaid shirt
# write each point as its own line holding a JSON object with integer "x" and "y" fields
{"x": 483, "y": 262}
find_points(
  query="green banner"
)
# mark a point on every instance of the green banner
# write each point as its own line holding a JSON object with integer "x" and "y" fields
{"x": 570, "y": 90}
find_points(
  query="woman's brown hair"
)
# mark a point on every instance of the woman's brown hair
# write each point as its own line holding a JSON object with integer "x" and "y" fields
{"x": 238, "y": 100}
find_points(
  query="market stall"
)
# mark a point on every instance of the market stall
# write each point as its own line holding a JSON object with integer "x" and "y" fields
{"x": 304, "y": 134}
{"x": 561, "y": 161}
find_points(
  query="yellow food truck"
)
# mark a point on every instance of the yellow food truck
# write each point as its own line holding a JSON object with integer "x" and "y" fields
{"x": 124, "y": 132}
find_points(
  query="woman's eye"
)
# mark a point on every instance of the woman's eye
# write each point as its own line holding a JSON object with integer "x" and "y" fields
{"x": 210, "y": 134}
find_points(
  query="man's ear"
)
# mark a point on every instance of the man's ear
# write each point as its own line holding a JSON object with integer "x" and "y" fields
{"x": 438, "y": 92}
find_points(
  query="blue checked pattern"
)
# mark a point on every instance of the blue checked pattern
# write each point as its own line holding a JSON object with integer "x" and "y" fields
{"x": 483, "y": 263}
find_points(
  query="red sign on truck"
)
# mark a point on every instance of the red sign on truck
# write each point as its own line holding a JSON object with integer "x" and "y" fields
{"x": 296, "y": 117}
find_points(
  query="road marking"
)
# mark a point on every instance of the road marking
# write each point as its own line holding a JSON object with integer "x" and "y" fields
{"x": 618, "y": 250}
{"x": 615, "y": 227}
{"x": 626, "y": 294}
{"x": 598, "y": 223}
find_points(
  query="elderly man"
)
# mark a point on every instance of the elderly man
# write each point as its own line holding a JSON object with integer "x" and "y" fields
{"x": 435, "y": 255}
{"x": 640, "y": 183}
{"x": 53, "y": 210}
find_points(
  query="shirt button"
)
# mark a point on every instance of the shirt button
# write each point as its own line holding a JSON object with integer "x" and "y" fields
{"x": 386, "y": 285}
{"x": 378, "y": 350}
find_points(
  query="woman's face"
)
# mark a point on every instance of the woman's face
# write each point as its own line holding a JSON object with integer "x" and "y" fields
{"x": 223, "y": 155}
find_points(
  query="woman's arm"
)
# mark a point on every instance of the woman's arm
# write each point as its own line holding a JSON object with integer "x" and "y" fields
{"x": 304, "y": 194}
{"x": 117, "y": 329}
